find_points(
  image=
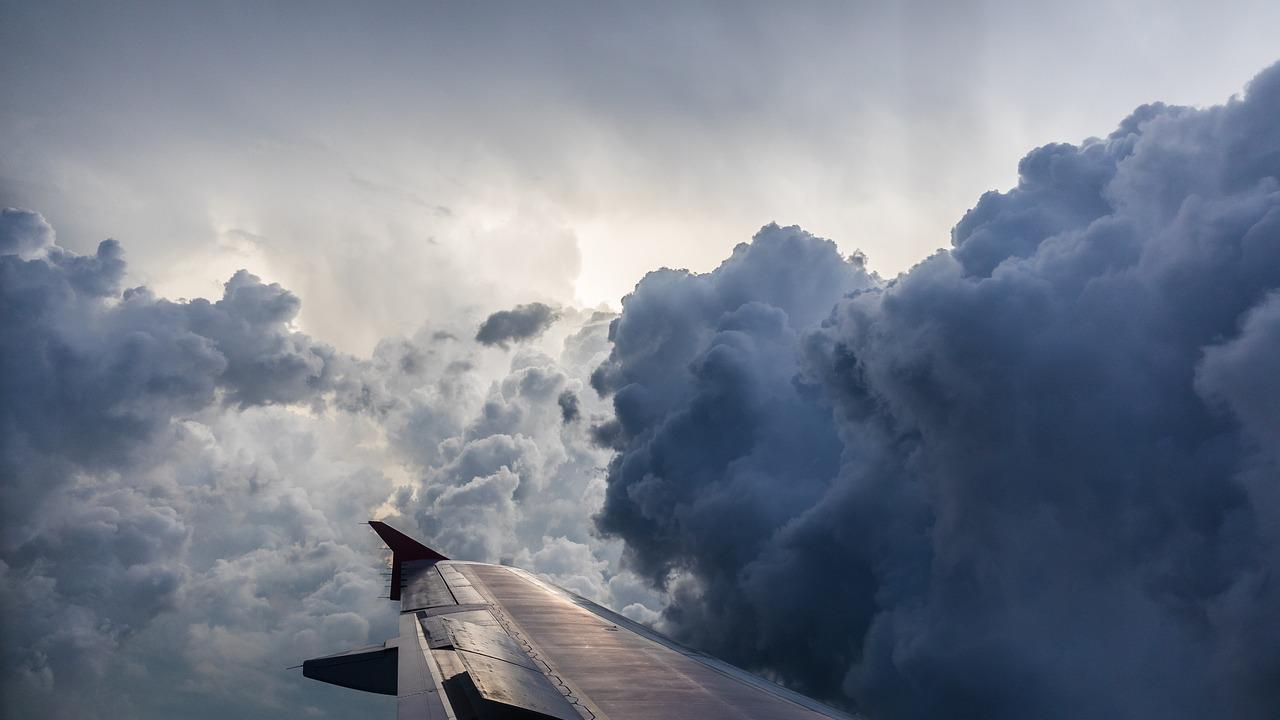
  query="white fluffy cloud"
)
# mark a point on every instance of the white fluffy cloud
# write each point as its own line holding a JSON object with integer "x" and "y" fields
{"x": 184, "y": 482}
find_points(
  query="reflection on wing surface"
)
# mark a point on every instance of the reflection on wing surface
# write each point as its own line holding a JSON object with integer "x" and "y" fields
{"x": 489, "y": 641}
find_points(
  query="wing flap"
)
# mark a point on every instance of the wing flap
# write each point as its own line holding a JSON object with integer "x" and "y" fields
{"x": 490, "y": 640}
{"x": 438, "y": 635}
{"x": 517, "y": 686}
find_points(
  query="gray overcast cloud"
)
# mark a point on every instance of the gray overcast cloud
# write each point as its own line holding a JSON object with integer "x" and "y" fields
{"x": 391, "y": 160}
{"x": 497, "y": 273}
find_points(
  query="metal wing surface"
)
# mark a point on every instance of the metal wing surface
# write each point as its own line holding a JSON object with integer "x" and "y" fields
{"x": 489, "y": 641}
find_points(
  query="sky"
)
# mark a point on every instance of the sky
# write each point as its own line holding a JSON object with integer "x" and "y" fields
{"x": 390, "y": 161}
{"x": 916, "y": 355}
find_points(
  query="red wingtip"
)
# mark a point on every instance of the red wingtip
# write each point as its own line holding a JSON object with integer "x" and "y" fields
{"x": 404, "y": 547}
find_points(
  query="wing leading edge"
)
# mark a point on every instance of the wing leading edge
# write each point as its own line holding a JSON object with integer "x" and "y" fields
{"x": 489, "y": 641}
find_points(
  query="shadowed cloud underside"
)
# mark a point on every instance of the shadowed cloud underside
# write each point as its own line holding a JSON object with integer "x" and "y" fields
{"x": 1035, "y": 476}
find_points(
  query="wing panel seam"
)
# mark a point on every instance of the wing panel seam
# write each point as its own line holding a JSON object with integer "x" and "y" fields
{"x": 578, "y": 700}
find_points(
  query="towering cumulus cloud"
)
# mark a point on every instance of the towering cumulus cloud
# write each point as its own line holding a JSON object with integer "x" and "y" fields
{"x": 1035, "y": 476}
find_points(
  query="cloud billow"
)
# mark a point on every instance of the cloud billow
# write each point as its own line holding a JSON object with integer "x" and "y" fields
{"x": 110, "y": 400}
{"x": 89, "y": 371}
{"x": 518, "y": 324}
{"x": 181, "y": 484}
{"x": 1032, "y": 477}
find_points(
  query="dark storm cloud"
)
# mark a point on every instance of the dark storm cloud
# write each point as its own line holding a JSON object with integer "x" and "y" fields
{"x": 522, "y": 322}
{"x": 701, "y": 374}
{"x": 1033, "y": 477}
{"x": 569, "y": 407}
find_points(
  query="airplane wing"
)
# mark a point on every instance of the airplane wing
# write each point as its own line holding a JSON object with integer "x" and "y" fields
{"x": 481, "y": 641}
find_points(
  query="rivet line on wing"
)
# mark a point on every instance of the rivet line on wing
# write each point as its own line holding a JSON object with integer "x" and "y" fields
{"x": 561, "y": 685}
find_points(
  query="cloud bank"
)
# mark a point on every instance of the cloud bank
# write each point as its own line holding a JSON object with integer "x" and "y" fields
{"x": 181, "y": 484}
{"x": 1035, "y": 476}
